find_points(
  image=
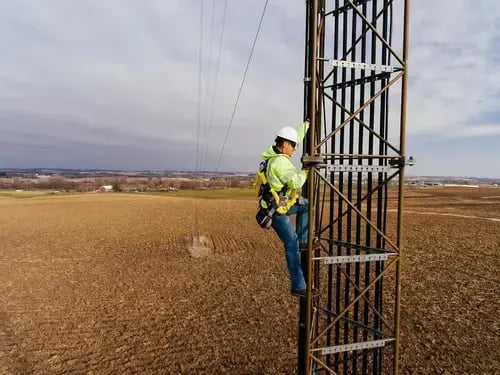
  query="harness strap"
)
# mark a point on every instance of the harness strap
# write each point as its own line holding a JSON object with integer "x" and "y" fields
{"x": 280, "y": 201}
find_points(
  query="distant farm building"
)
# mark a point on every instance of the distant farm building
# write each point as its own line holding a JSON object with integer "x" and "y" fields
{"x": 44, "y": 177}
{"x": 105, "y": 189}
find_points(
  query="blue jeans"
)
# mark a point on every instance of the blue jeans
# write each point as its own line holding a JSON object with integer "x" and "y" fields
{"x": 291, "y": 239}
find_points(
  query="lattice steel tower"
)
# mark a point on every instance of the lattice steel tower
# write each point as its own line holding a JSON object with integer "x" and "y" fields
{"x": 356, "y": 64}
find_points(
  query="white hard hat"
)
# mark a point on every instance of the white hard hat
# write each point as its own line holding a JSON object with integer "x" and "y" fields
{"x": 288, "y": 133}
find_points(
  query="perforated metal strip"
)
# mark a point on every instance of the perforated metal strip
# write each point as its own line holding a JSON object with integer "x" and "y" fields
{"x": 358, "y": 168}
{"x": 361, "y": 66}
{"x": 354, "y": 258}
{"x": 353, "y": 347}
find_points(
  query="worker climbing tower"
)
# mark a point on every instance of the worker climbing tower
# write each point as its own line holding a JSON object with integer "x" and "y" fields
{"x": 355, "y": 97}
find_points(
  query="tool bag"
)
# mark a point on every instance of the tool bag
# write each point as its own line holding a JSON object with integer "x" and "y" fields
{"x": 269, "y": 199}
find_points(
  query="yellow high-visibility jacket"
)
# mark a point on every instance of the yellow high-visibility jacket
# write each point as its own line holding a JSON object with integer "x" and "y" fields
{"x": 281, "y": 172}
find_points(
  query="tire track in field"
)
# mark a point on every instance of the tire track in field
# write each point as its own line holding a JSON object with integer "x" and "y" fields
{"x": 225, "y": 244}
{"x": 449, "y": 214}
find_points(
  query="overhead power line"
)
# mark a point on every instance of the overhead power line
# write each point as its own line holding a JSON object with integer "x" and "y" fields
{"x": 200, "y": 60}
{"x": 216, "y": 79}
{"x": 241, "y": 86}
{"x": 207, "y": 89}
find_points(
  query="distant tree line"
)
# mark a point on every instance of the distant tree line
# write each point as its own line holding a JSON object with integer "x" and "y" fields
{"x": 61, "y": 183}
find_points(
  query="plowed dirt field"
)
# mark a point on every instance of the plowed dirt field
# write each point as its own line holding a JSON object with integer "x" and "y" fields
{"x": 105, "y": 284}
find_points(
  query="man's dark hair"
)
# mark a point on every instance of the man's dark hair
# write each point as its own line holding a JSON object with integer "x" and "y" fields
{"x": 279, "y": 142}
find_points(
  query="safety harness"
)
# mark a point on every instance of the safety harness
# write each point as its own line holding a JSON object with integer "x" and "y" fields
{"x": 270, "y": 200}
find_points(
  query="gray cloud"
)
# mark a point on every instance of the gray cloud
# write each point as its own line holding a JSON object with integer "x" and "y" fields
{"x": 455, "y": 75}
{"x": 114, "y": 84}
{"x": 72, "y": 143}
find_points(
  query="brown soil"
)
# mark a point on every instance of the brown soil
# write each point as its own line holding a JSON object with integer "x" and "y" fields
{"x": 106, "y": 284}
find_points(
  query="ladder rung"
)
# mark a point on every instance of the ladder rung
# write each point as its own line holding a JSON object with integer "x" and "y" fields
{"x": 350, "y": 245}
{"x": 354, "y": 258}
{"x": 358, "y": 81}
{"x": 353, "y": 347}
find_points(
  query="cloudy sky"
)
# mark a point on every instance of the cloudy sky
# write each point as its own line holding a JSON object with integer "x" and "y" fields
{"x": 113, "y": 84}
